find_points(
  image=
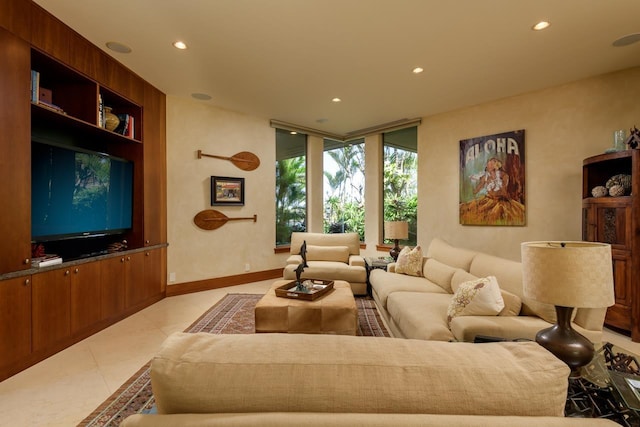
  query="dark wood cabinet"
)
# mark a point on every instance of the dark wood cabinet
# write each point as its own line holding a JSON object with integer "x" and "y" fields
{"x": 133, "y": 278}
{"x": 15, "y": 321}
{"x": 616, "y": 220}
{"x": 155, "y": 170}
{"x": 85, "y": 297}
{"x": 52, "y": 308}
{"x": 15, "y": 157}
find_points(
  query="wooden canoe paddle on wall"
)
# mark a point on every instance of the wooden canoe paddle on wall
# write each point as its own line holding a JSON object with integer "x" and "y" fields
{"x": 244, "y": 160}
{"x": 210, "y": 219}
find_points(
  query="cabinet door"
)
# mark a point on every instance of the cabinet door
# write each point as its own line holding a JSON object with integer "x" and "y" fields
{"x": 51, "y": 308}
{"x": 112, "y": 288}
{"x": 613, "y": 225}
{"x": 134, "y": 279}
{"x": 619, "y": 315}
{"x": 15, "y": 320}
{"x": 85, "y": 296}
{"x": 15, "y": 145}
{"x": 154, "y": 272}
{"x": 154, "y": 151}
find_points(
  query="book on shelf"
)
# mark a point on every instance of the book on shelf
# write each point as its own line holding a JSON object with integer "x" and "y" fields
{"x": 126, "y": 125}
{"x": 52, "y": 107}
{"x": 45, "y": 261}
{"x": 100, "y": 111}
{"x": 35, "y": 86}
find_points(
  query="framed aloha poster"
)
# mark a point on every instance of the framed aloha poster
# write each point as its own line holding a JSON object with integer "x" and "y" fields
{"x": 492, "y": 190}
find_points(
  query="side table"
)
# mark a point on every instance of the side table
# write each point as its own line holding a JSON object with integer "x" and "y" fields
{"x": 376, "y": 262}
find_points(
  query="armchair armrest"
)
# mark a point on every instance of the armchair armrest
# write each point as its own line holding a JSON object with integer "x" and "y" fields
{"x": 356, "y": 261}
{"x": 294, "y": 259}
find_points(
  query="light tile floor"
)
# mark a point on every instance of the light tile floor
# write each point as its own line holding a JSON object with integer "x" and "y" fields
{"x": 63, "y": 389}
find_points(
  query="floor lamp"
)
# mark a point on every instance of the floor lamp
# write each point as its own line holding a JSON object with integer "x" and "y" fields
{"x": 396, "y": 230}
{"x": 568, "y": 275}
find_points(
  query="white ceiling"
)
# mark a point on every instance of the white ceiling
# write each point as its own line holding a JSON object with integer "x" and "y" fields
{"x": 286, "y": 59}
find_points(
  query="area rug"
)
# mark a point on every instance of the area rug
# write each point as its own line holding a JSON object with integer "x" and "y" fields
{"x": 231, "y": 315}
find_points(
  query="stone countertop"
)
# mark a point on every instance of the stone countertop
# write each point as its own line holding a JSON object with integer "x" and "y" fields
{"x": 67, "y": 264}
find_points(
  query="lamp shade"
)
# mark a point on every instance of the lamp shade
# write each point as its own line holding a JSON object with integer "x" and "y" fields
{"x": 396, "y": 230}
{"x": 568, "y": 274}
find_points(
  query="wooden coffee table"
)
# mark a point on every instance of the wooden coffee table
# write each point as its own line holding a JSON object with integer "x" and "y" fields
{"x": 334, "y": 313}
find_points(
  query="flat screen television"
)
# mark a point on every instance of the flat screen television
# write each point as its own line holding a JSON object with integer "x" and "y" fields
{"x": 78, "y": 193}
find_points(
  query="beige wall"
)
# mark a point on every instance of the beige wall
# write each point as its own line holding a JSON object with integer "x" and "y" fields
{"x": 563, "y": 125}
{"x": 196, "y": 254}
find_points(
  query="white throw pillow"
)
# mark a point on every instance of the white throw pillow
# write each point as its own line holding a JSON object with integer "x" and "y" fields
{"x": 410, "y": 261}
{"x": 479, "y": 297}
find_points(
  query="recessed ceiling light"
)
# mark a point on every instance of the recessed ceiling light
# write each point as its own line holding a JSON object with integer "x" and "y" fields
{"x": 118, "y": 47}
{"x": 179, "y": 45}
{"x": 293, "y": 132}
{"x": 627, "y": 40}
{"x": 201, "y": 96}
{"x": 336, "y": 100}
{"x": 541, "y": 26}
{"x": 417, "y": 70}
{"x": 323, "y": 120}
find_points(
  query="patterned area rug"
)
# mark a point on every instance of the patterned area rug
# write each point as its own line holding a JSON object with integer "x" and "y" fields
{"x": 231, "y": 315}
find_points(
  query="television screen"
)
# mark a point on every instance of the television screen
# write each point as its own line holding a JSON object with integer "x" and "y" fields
{"x": 76, "y": 192}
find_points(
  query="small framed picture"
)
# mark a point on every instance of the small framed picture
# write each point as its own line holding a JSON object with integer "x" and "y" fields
{"x": 227, "y": 191}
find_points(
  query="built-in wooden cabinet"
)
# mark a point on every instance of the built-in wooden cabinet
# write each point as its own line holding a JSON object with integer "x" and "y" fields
{"x": 15, "y": 153}
{"x": 15, "y": 321}
{"x": 86, "y": 296}
{"x": 45, "y": 310}
{"x": 51, "y": 309}
{"x": 616, "y": 220}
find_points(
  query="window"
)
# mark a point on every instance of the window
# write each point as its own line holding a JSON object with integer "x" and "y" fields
{"x": 344, "y": 187}
{"x": 291, "y": 185}
{"x": 400, "y": 181}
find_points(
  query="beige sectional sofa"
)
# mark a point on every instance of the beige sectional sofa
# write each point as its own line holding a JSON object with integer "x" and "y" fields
{"x": 321, "y": 380}
{"x": 329, "y": 257}
{"x": 416, "y": 307}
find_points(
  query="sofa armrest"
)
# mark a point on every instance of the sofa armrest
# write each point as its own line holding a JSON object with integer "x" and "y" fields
{"x": 356, "y": 261}
{"x": 294, "y": 259}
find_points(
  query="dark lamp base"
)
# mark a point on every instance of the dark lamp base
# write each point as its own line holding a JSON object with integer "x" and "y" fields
{"x": 565, "y": 343}
{"x": 395, "y": 251}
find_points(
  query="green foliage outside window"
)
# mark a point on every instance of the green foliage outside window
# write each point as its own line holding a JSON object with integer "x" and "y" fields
{"x": 344, "y": 197}
{"x": 291, "y": 196}
{"x": 401, "y": 189}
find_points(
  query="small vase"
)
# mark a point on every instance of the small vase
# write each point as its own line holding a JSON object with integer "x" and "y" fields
{"x": 111, "y": 121}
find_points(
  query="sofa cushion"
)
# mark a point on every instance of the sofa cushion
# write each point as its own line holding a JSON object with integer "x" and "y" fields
{"x": 512, "y": 304}
{"x": 328, "y": 270}
{"x": 439, "y": 273}
{"x": 207, "y": 373}
{"x": 480, "y": 297}
{"x": 351, "y": 240}
{"x": 460, "y": 276}
{"x": 384, "y": 284}
{"x": 328, "y": 253}
{"x": 420, "y": 315}
{"x": 450, "y": 255}
{"x": 508, "y": 272}
{"x": 410, "y": 261}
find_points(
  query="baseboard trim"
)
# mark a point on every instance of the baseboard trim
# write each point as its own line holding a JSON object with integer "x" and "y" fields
{"x": 222, "y": 282}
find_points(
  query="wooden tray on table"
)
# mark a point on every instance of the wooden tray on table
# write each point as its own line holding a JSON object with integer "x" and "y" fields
{"x": 288, "y": 290}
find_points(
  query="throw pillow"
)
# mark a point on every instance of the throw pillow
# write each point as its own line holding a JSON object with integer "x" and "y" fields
{"x": 479, "y": 297}
{"x": 410, "y": 261}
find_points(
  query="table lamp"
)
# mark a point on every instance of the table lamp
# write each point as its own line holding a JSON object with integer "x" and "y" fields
{"x": 568, "y": 275}
{"x": 396, "y": 230}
